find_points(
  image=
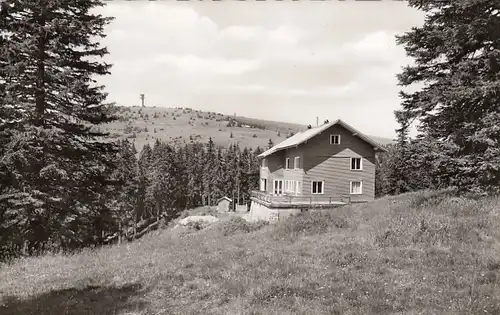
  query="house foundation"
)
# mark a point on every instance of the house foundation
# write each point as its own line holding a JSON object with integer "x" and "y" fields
{"x": 273, "y": 212}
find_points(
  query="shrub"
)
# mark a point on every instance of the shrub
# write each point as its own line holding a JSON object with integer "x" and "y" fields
{"x": 239, "y": 225}
{"x": 197, "y": 225}
{"x": 310, "y": 223}
{"x": 430, "y": 198}
{"x": 235, "y": 225}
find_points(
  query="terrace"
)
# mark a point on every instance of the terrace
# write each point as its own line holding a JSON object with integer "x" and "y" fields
{"x": 292, "y": 201}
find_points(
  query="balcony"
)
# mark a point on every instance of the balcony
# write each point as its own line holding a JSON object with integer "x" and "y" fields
{"x": 290, "y": 201}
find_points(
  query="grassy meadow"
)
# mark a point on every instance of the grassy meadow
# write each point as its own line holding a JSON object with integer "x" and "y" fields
{"x": 419, "y": 253}
{"x": 171, "y": 125}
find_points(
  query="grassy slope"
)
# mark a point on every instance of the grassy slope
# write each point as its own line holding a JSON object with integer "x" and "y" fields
{"x": 410, "y": 254}
{"x": 168, "y": 129}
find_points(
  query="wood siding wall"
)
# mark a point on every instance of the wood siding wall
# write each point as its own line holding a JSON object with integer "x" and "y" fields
{"x": 322, "y": 161}
{"x": 276, "y": 167}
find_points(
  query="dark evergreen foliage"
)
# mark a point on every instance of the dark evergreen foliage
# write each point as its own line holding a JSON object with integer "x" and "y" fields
{"x": 457, "y": 58}
{"x": 175, "y": 178}
{"x": 270, "y": 144}
{"x": 56, "y": 170}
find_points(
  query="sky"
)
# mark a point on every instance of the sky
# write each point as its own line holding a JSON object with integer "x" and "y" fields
{"x": 285, "y": 61}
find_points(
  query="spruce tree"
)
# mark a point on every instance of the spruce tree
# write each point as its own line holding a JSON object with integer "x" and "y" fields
{"x": 191, "y": 167}
{"x": 457, "y": 53}
{"x": 209, "y": 168}
{"x": 270, "y": 143}
{"x": 56, "y": 167}
{"x": 125, "y": 198}
{"x": 219, "y": 181}
{"x": 144, "y": 163}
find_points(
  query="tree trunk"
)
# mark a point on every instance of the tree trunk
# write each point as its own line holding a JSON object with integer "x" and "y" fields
{"x": 40, "y": 74}
{"x": 135, "y": 222}
{"x": 157, "y": 211}
{"x": 238, "y": 187}
{"x": 119, "y": 232}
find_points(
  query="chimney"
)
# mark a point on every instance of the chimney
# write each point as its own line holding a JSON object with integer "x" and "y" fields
{"x": 326, "y": 121}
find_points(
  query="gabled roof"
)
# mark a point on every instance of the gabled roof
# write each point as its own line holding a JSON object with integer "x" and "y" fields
{"x": 302, "y": 137}
{"x": 224, "y": 198}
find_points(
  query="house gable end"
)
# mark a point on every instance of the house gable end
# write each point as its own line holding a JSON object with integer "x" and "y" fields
{"x": 308, "y": 135}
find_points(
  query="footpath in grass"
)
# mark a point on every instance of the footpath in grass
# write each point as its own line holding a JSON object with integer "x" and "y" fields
{"x": 420, "y": 253}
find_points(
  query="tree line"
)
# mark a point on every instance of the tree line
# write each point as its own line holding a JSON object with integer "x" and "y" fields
{"x": 157, "y": 183}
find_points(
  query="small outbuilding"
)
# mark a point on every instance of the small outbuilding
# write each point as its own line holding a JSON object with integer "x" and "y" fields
{"x": 223, "y": 204}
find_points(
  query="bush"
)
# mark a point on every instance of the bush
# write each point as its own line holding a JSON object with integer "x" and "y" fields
{"x": 430, "y": 198}
{"x": 239, "y": 225}
{"x": 310, "y": 223}
{"x": 197, "y": 225}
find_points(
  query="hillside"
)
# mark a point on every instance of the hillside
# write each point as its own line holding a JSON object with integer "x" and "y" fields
{"x": 170, "y": 125}
{"x": 420, "y": 253}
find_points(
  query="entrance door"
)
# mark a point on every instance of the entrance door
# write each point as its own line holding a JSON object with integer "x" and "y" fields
{"x": 278, "y": 186}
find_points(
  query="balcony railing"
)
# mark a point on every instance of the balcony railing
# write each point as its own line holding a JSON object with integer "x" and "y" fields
{"x": 284, "y": 200}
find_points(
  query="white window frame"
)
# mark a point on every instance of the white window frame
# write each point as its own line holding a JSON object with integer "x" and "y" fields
{"x": 274, "y": 187}
{"x": 360, "y": 164}
{"x": 287, "y": 163}
{"x": 289, "y": 186}
{"x": 296, "y": 162}
{"x": 298, "y": 187}
{"x": 331, "y": 137}
{"x": 360, "y": 187}
{"x": 263, "y": 184}
{"x": 322, "y": 187}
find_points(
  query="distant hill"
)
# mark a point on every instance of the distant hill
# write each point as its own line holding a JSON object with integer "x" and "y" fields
{"x": 178, "y": 125}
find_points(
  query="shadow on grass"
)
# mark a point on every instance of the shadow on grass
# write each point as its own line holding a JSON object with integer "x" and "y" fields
{"x": 89, "y": 300}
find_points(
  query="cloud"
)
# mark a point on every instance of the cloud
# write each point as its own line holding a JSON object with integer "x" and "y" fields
{"x": 200, "y": 66}
{"x": 285, "y": 35}
{"x": 379, "y": 46}
{"x": 241, "y": 33}
{"x": 329, "y": 91}
{"x": 145, "y": 29}
{"x": 156, "y": 17}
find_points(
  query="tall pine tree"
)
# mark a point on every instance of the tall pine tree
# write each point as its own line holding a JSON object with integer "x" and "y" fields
{"x": 457, "y": 58}
{"x": 55, "y": 164}
{"x": 125, "y": 197}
